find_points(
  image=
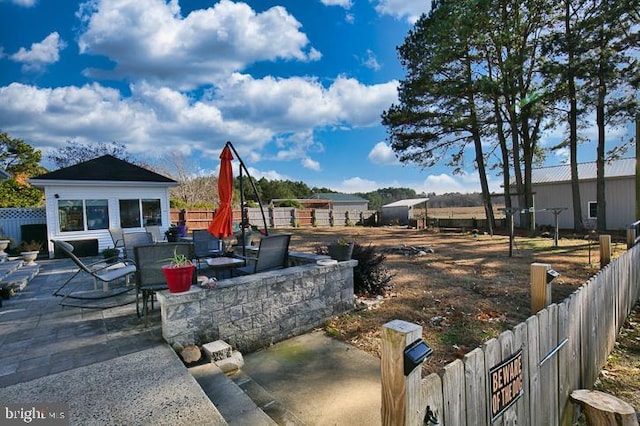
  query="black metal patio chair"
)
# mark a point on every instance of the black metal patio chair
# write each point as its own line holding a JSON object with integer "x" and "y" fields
{"x": 273, "y": 253}
{"x": 149, "y": 277}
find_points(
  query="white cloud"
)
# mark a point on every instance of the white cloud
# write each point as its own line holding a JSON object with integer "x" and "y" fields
{"x": 150, "y": 39}
{"x": 371, "y": 61}
{"x": 253, "y": 113}
{"x": 464, "y": 183}
{"x": 23, "y": 3}
{"x": 403, "y": 9}
{"x": 297, "y": 103}
{"x": 311, "y": 164}
{"x": 356, "y": 184}
{"x": 342, "y": 3}
{"x": 383, "y": 154}
{"x": 149, "y": 122}
{"x": 41, "y": 54}
{"x": 349, "y": 18}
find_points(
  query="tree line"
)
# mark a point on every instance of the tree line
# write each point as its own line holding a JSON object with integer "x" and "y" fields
{"x": 21, "y": 161}
{"x": 493, "y": 75}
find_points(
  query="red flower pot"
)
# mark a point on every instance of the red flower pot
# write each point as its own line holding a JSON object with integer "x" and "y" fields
{"x": 179, "y": 278}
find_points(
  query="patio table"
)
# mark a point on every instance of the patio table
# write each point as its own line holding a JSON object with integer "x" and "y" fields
{"x": 220, "y": 264}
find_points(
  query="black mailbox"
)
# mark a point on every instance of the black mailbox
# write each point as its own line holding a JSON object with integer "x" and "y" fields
{"x": 552, "y": 275}
{"x": 415, "y": 354}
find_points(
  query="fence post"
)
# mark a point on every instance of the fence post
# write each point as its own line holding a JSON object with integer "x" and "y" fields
{"x": 605, "y": 250}
{"x": 631, "y": 236}
{"x": 540, "y": 289}
{"x": 401, "y": 395}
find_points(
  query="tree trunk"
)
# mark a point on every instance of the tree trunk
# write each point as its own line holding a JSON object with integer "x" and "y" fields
{"x": 600, "y": 161}
{"x": 602, "y": 409}
{"x": 578, "y": 225}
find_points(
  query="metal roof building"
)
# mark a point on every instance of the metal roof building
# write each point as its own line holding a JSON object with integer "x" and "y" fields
{"x": 402, "y": 211}
{"x": 552, "y": 189}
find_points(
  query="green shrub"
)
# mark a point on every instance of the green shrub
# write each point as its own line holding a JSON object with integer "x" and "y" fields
{"x": 290, "y": 203}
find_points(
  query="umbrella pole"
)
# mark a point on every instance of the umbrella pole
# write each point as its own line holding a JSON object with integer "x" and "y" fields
{"x": 242, "y": 215}
{"x": 255, "y": 191}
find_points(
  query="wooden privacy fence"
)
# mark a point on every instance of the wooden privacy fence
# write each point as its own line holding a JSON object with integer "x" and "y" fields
{"x": 563, "y": 348}
{"x": 281, "y": 217}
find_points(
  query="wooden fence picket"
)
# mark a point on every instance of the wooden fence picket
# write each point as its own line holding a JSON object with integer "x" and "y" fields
{"x": 535, "y": 391}
{"x": 475, "y": 377}
{"x": 492, "y": 356}
{"x": 453, "y": 393}
{"x": 521, "y": 341}
{"x": 432, "y": 398}
{"x": 565, "y": 369}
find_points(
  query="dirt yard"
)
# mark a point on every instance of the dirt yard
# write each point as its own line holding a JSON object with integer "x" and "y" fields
{"x": 462, "y": 290}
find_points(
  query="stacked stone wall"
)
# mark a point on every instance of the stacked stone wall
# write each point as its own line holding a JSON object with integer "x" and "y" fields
{"x": 254, "y": 311}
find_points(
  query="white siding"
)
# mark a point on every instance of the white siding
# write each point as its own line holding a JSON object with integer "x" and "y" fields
{"x": 112, "y": 194}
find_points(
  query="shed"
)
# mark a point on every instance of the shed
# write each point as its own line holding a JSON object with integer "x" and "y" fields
{"x": 84, "y": 200}
{"x": 552, "y": 189}
{"x": 402, "y": 211}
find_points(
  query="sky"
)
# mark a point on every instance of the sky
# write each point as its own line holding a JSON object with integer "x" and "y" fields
{"x": 297, "y": 86}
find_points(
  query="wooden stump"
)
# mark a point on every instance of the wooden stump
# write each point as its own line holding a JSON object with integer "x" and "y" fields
{"x": 602, "y": 409}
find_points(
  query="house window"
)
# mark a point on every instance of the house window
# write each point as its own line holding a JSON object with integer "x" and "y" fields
{"x": 74, "y": 214}
{"x": 97, "y": 214}
{"x": 137, "y": 213}
{"x": 70, "y": 215}
{"x": 130, "y": 213}
{"x": 151, "y": 214}
{"x": 593, "y": 210}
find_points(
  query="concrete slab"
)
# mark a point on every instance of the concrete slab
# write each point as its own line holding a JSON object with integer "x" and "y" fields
{"x": 320, "y": 380}
{"x": 150, "y": 387}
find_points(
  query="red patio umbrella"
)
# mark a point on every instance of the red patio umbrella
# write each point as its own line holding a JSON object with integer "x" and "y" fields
{"x": 222, "y": 224}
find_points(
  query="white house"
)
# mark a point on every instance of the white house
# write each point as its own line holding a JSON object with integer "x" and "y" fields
{"x": 402, "y": 211}
{"x": 84, "y": 200}
{"x": 552, "y": 190}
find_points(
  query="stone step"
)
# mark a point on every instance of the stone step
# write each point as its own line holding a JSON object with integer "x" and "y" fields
{"x": 9, "y": 267}
{"x": 237, "y": 408}
{"x": 16, "y": 274}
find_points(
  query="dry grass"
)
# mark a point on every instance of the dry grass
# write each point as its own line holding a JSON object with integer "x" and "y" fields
{"x": 466, "y": 292}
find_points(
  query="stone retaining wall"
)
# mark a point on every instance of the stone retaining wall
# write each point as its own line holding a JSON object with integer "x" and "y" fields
{"x": 254, "y": 311}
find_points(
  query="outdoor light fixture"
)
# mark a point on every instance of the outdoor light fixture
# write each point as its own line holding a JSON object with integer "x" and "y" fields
{"x": 552, "y": 275}
{"x": 56, "y": 195}
{"x": 415, "y": 354}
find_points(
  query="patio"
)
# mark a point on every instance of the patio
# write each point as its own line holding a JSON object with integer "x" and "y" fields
{"x": 39, "y": 337}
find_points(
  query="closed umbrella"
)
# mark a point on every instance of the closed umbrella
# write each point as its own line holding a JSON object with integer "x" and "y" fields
{"x": 222, "y": 224}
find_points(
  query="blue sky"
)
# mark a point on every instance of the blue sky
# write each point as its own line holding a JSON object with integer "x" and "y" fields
{"x": 298, "y": 86}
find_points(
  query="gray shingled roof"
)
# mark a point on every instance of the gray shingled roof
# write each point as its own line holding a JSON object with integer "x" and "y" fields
{"x": 586, "y": 171}
{"x": 105, "y": 168}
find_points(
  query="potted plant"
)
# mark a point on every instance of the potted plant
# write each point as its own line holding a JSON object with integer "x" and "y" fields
{"x": 179, "y": 272}
{"x": 111, "y": 254}
{"x": 29, "y": 251}
{"x": 341, "y": 250}
{"x": 4, "y": 243}
{"x": 172, "y": 234}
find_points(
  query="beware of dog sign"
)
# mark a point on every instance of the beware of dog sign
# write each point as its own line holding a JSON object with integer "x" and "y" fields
{"x": 505, "y": 384}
